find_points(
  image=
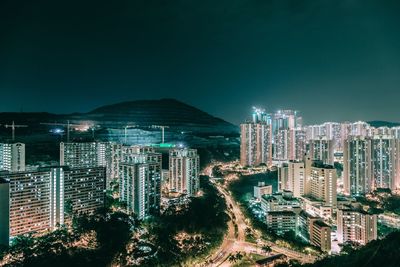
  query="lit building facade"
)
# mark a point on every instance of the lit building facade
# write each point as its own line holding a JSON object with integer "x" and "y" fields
{"x": 297, "y": 144}
{"x": 262, "y": 189}
{"x": 4, "y": 212}
{"x": 322, "y": 149}
{"x": 137, "y": 188}
{"x": 357, "y": 165}
{"x": 323, "y": 185}
{"x": 384, "y": 161}
{"x": 320, "y": 235}
{"x": 84, "y": 154}
{"x": 297, "y": 178}
{"x": 184, "y": 169}
{"x": 281, "y": 221}
{"x": 356, "y": 226}
{"x": 12, "y": 157}
{"x": 255, "y": 144}
{"x": 42, "y": 200}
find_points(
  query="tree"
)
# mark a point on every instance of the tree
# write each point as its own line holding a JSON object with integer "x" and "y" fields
{"x": 231, "y": 258}
{"x": 239, "y": 256}
{"x": 267, "y": 249}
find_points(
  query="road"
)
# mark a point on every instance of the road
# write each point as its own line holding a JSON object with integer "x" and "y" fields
{"x": 236, "y": 242}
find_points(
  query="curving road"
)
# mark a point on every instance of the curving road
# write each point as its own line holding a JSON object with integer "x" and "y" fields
{"x": 236, "y": 241}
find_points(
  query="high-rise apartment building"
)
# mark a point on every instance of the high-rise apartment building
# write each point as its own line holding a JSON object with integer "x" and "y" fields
{"x": 83, "y": 154}
{"x": 140, "y": 181}
{"x": 255, "y": 144}
{"x": 75, "y": 191}
{"x": 322, "y": 181}
{"x": 281, "y": 145}
{"x": 283, "y": 177}
{"x": 384, "y": 161}
{"x": 134, "y": 188}
{"x": 360, "y": 128}
{"x": 4, "y": 212}
{"x": 297, "y": 178}
{"x": 322, "y": 149}
{"x": 12, "y": 157}
{"x": 41, "y": 200}
{"x": 184, "y": 168}
{"x": 297, "y": 144}
{"x": 356, "y": 226}
{"x": 357, "y": 167}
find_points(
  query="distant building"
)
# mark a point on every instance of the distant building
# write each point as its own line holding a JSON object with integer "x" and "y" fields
{"x": 359, "y": 129}
{"x": 356, "y": 226}
{"x": 4, "y": 212}
{"x": 297, "y": 144}
{"x": 357, "y": 167}
{"x": 281, "y": 145}
{"x": 83, "y": 154}
{"x": 262, "y": 189}
{"x": 322, "y": 149}
{"x": 184, "y": 169}
{"x": 12, "y": 157}
{"x": 283, "y": 177}
{"x": 255, "y": 144}
{"x": 385, "y": 158}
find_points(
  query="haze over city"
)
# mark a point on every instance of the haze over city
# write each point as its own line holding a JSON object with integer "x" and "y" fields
{"x": 214, "y": 133}
{"x": 339, "y": 57}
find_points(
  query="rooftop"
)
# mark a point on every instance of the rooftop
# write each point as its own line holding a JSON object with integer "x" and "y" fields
{"x": 321, "y": 165}
{"x": 321, "y": 223}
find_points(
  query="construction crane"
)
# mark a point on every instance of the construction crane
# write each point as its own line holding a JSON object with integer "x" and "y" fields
{"x": 126, "y": 131}
{"x": 13, "y": 126}
{"x": 68, "y": 125}
{"x": 162, "y": 127}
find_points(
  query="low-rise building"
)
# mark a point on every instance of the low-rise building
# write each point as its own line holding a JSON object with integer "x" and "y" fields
{"x": 262, "y": 189}
{"x": 281, "y": 221}
{"x": 280, "y": 202}
{"x": 320, "y": 235}
{"x": 316, "y": 208}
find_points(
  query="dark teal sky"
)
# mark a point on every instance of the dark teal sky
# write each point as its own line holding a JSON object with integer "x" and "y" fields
{"x": 332, "y": 60}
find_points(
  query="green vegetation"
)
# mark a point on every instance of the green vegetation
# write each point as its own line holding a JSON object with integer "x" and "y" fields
{"x": 380, "y": 201}
{"x": 106, "y": 237}
{"x": 189, "y": 234}
{"x": 92, "y": 241}
{"x": 242, "y": 190}
{"x": 247, "y": 260}
{"x": 385, "y": 252}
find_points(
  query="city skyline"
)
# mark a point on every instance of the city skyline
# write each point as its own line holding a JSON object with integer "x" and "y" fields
{"x": 338, "y": 57}
{"x": 200, "y": 133}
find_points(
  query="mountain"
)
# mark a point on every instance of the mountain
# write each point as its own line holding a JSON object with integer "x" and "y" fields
{"x": 383, "y": 123}
{"x": 169, "y": 112}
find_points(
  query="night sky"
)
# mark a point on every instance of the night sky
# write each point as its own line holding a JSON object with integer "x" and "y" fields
{"x": 332, "y": 60}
